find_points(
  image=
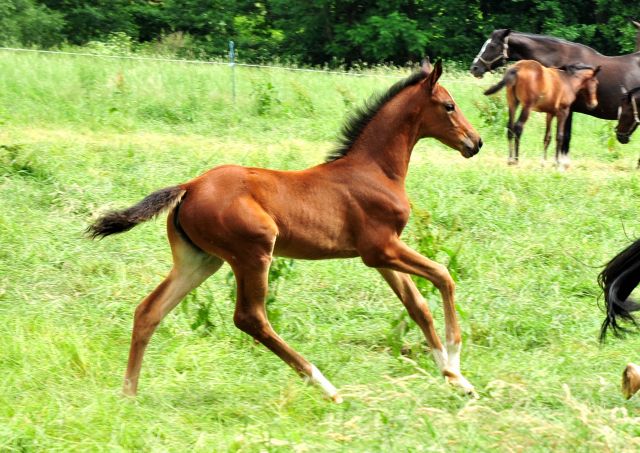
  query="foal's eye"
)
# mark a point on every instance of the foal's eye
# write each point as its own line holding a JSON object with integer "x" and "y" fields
{"x": 449, "y": 107}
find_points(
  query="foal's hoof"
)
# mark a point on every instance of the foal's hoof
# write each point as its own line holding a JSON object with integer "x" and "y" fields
{"x": 630, "y": 380}
{"x": 336, "y": 398}
{"x": 512, "y": 161}
{"x": 457, "y": 380}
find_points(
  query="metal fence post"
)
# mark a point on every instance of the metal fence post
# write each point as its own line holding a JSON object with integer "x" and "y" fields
{"x": 233, "y": 74}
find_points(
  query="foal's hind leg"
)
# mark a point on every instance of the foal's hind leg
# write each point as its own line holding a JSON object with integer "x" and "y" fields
{"x": 191, "y": 267}
{"x": 513, "y": 105}
{"x": 406, "y": 290}
{"x": 251, "y": 317}
{"x": 519, "y": 126}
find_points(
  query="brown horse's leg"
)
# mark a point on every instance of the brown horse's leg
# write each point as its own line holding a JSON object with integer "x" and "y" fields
{"x": 513, "y": 105}
{"x": 191, "y": 267}
{"x": 406, "y": 290}
{"x": 562, "y": 159}
{"x": 547, "y": 138}
{"x": 398, "y": 257}
{"x": 519, "y": 126}
{"x": 251, "y": 317}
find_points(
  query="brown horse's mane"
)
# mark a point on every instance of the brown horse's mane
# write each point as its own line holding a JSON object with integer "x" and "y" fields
{"x": 358, "y": 120}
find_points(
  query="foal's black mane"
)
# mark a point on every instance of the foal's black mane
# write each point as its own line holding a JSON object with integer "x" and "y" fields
{"x": 358, "y": 120}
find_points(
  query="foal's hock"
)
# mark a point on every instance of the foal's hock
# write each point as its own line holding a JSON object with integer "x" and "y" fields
{"x": 353, "y": 205}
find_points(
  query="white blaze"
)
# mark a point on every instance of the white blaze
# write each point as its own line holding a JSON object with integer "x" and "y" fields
{"x": 484, "y": 46}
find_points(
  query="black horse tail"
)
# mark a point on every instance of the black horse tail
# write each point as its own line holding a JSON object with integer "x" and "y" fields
{"x": 620, "y": 276}
{"x": 508, "y": 79}
{"x": 151, "y": 206}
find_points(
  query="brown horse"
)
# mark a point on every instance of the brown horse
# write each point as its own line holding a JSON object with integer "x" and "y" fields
{"x": 506, "y": 45}
{"x": 354, "y": 205}
{"x": 551, "y": 91}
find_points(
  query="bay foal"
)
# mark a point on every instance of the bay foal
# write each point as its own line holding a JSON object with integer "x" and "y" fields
{"x": 353, "y": 205}
{"x": 551, "y": 91}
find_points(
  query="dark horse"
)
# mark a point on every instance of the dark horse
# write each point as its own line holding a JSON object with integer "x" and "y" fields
{"x": 505, "y": 45}
{"x": 354, "y": 205}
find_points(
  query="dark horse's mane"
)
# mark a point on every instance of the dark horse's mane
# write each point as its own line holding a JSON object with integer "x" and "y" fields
{"x": 576, "y": 67}
{"x": 358, "y": 120}
{"x": 552, "y": 39}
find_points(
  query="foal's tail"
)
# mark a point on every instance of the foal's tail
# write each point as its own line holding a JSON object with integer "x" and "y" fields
{"x": 508, "y": 79}
{"x": 151, "y": 206}
{"x": 619, "y": 277}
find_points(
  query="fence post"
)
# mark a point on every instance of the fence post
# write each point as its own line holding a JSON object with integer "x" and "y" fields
{"x": 233, "y": 74}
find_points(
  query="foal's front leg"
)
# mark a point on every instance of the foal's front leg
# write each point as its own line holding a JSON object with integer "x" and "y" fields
{"x": 406, "y": 290}
{"x": 397, "y": 256}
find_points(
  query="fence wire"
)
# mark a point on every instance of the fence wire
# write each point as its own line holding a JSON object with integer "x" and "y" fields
{"x": 170, "y": 60}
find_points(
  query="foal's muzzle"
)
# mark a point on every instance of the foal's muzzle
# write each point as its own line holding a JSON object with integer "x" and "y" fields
{"x": 471, "y": 147}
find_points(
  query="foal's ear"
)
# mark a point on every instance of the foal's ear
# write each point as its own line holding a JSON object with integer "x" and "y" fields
{"x": 425, "y": 66}
{"x": 506, "y": 33}
{"x": 432, "y": 79}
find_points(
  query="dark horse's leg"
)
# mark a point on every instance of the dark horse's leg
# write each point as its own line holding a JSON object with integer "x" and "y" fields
{"x": 564, "y": 158}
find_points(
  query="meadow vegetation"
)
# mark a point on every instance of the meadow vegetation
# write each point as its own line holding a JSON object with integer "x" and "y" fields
{"x": 80, "y": 135}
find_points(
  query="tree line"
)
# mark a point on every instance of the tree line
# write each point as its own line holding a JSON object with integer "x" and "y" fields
{"x": 320, "y": 31}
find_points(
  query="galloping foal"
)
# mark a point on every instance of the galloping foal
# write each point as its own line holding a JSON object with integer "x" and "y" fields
{"x": 551, "y": 91}
{"x": 353, "y": 205}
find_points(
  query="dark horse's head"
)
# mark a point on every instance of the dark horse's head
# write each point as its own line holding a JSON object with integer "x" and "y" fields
{"x": 492, "y": 54}
{"x": 628, "y": 114}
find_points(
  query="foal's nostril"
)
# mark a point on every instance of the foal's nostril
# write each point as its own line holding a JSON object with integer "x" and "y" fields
{"x": 479, "y": 143}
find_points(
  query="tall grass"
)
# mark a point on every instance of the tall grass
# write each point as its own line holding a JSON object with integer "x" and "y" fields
{"x": 82, "y": 135}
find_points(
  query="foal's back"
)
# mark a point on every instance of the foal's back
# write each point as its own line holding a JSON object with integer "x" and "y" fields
{"x": 544, "y": 89}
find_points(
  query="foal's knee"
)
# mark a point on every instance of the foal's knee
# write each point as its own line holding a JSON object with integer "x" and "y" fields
{"x": 442, "y": 279}
{"x": 251, "y": 323}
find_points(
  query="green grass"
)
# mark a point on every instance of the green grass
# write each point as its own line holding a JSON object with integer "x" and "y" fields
{"x": 82, "y": 135}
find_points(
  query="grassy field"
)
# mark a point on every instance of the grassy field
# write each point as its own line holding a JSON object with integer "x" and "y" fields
{"x": 81, "y": 135}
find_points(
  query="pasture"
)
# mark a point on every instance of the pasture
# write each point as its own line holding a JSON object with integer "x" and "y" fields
{"x": 80, "y": 135}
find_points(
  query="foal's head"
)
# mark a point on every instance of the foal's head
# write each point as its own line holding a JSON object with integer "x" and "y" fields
{"x": 442, "y": 119}
{"x": 628, "y": 114}
{"x": 589, "y": 86}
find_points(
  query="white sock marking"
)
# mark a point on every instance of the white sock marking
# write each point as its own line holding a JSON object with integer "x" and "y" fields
{"x": 441, "y": 358}
{"x": 453, "y": 361}
{"x": 327, "y": 388}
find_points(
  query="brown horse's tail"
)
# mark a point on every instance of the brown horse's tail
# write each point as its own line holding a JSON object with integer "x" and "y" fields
{"x": 619, "y": 277}
{"x": 151, "y": 206}
{"x": 508, "y": 79}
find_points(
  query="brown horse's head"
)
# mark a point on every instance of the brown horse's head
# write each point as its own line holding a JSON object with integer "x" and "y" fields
{"x": 628, "y": 115}
{"x": 492, "y": 54}
{"x": 589, "y": 86}
{"x": 442, "y": 119}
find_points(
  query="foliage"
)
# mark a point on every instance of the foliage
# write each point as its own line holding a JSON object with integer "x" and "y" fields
{"x": 333, "y": 32}
{"x": 494, "y": 111}
{"x": 27, "y": 22}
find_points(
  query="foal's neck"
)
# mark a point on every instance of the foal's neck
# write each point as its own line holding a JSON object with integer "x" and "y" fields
{"x": 390, "y": 137}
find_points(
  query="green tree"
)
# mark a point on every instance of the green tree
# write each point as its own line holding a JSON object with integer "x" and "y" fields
{"x": 28, "y": 23}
